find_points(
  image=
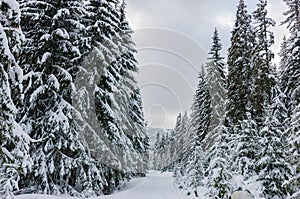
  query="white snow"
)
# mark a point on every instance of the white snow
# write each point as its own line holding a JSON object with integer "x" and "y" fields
{"x": 3, "y": 37}
{"x": 46, "y": 55}
{"x": 241, "y": 195}
{"x": 62, "y": 33}
{"x": 46, "y": 37}
{"x": 14, "y": 5}
{"x": 155, "y": 185}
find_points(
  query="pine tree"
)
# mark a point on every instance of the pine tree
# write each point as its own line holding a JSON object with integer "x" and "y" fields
{"x": 183, "y": 143}
{"x": 262, "y": 63}
{"x": 120, "y": 120}
{"x": 178, "y": 123}
{"x": 200, "y": 114}
{"x": 182, "y": 137}
{"x": 198, "y": 127}
{"x": 14, "y": 142}
{"x": 218, "y": 171}
{"x": 175, "y": 141}
{"x": 293, "y": 140}
{"x": 272, "y": 168}
{"x": 105, "y": 40}
{"x": 283, "y": 109}
{"x": 131, "y": 93}
{"x": 61, "y": 162}
{"x": 243, "y": 143}
{"x": 240, "y": 122}
{"x": 239, "y": 80}
{"x": 215, "y": 142}
{"x": 194, "y": 169}
{"x": 290, "y": 80}
{"x": 290, "y": 72}
{"x": 216, "y": 86}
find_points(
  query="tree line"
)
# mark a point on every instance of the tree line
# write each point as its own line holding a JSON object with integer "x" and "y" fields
{"x": 244, "y": 125}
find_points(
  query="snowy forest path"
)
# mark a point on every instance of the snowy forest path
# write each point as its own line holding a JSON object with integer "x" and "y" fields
{"x": 155, "y": 185}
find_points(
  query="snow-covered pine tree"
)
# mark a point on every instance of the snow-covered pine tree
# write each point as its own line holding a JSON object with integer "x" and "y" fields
{"x": 216, "y": 86}
{"x": 290, "y": 80}
{"x": 175, "y": 141}
{"x": 218, "y": 171}
{"x": 215, "y": 142}
{"x": 293, "y": 140}
{"x": 182, "y": 137}
{"x": 117, "y": 97}
{"x": 178, "y": 123}
{"x": 239, "y": 80}
{"x": 200, "y": 110}
{"x": 239, "y": 121}
{"x": 290, "y": 73}
{"x": 283, "y": 111}
{"x": 132, "y": 116}
{"x": 14, "y": 142}
{"x": 182, "y": 144}
{"x": 262, "y": 63}
{"x": 96, "y": 49}
{"x": 198, "y": 127}
{"x": 194, "y": 167}
{"x": 51, "y": 54}
{"x": 243, "y": 144}
{"x": 272, "y": 168}
{"x": 103, "y": 30}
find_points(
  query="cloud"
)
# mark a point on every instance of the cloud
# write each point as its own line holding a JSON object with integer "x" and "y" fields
{"x": 226, "y": 20}
{"x": 193, "y": 23}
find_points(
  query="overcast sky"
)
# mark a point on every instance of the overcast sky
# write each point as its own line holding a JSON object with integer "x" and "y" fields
{"x": 173, "y": 38}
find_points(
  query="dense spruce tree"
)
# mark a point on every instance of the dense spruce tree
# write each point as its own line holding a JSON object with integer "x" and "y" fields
{"x": 50, "y": 57}
{"x": 104, "y": 59}
{"x": 262, "y": 56}
{"x": 176, "y": 141}
{"x": 284, "y": 112}
{"x": 272, "y": 168}
{"x": 198, "y": 128}
{"x": 14, "y": 142}
{"x": 290, "y": 81}
{"x": 182, "y": 137}
{"x": 215, "y": 142}
{"x": 183, "y": 141}
{"x": 240, "y": 121}
{"x": 290, "y": 72}
{"x": 216, "y": 85}
{"x": 200, "y": 110}
{"x": 243, "y": 144}
{"x": 117, "y": 101}
{"x": 293, "y": 140}
{"x": 132, "y": 115}
{"x": 218, "y": 171}
{"x": 239, "y": 80}
{"x": 194, "y": 168}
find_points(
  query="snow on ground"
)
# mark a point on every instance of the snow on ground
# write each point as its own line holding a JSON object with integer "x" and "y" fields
{"x": 155, "y": 185}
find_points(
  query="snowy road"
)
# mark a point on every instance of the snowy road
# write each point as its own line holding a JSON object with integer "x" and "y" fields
{"x": 155, "y": 185}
